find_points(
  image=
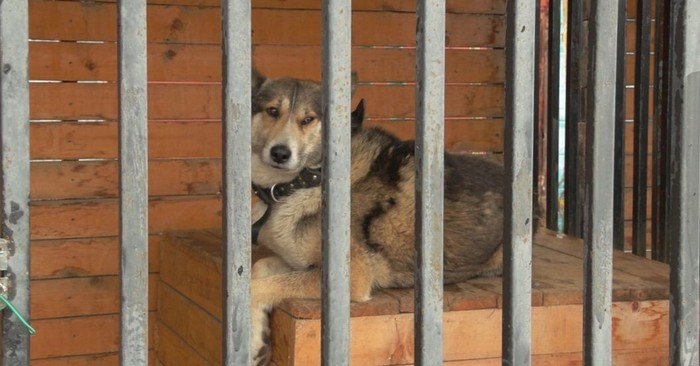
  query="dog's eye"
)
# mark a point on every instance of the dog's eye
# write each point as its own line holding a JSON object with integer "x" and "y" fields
{"x": 307, "y": 120}
{"x": 273, "y": 112}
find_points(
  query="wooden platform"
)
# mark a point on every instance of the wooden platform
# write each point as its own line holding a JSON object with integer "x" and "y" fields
{"x": 189, "y": 312}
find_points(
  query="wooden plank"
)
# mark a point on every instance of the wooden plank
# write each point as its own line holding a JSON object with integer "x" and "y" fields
{"x": 197, "y": 328}
{"x": 188, "y": 62}
{"x": 653, "y": 357}
{"x": 629, "y": 107}
{"x": 87, "y": 335}
{"x": 98, "y": 218}
{"x": 83, "y": 179}
{"x": 453, "y": 6}
{"x": 202, "y": 139}
{"x": 631, "y": 35}
{"x": 629, "y": 69}
{"x": 83, "y": 257}
{"x": 192, "y": 24}
{"x": 190, "y": 266}
{"x": 167, "y": 139}
{"x": 72, "y": 297}
{"x": 74, "y": 101}
{"x": 654, "y": 274}
{"x": 173, "y": 350}
{"x": 556, "y": 329}
{"x": 105, "y": 359}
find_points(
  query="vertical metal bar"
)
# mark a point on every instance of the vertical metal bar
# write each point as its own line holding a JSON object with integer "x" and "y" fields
{"x": 236, "y": 104}
{"x": 599, "y": 182}
{"x": 133, "y": 181}
{"x": 14, "y": 131}
{"x": 430, "y": 146}
{"x": 517, "y": 261}
{"x": 660, "y": 135}
{"x": 619, "y": 149}
{"x": 572, "y": 218}
{"x": 641, "y": 127}
{"x": 684, "y": 231}
{"x": 336, "y": 86}
{"x": 553, "y": 115}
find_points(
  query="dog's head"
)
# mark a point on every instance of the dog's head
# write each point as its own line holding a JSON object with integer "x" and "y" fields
{"x": 286, "y": 126}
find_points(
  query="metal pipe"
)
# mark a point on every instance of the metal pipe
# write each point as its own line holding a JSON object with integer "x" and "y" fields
{"x": 517, "y": 241}
{"x": 133, "y": 181}
{"x": 684, "y": 189}
{"x": 430, "y": 130}
{"x": 236, "y": 174}
{"x": 641, "y": 128}
{"x": 553, "y": 115}
{"x": 600, "y": 142}
{"x": 619, "y": 149}
{"x": 572, "y": 199}
{"x": 14, "y": 129}
{"x": 336, "y": 87}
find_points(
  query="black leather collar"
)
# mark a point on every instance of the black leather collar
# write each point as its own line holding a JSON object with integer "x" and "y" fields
{"x": 307, "y": 178}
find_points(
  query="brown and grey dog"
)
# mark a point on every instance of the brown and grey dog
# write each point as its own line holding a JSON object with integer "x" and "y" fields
{"x": 286, "y": 160}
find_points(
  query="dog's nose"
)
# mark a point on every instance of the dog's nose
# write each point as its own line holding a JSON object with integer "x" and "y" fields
{"x": 280, "y": 154}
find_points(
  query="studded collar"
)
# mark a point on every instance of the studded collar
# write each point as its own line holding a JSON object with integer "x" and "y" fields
{"x": 307, "y": 178}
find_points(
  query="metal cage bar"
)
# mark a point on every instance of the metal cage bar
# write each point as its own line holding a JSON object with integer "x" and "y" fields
{"x": 517, "y": 243}
{"x": 430, "y": 131}
{"x": 572, "y": 199}
{"x": 641, "y": 127}
{"x": 553, "y": 115}
{"x": 660, "y": 154}
{"x": 133, "y": 181}
{"x": 600, "y": 141}
{"x": 236, "y": 174}
{"x": 336, "y": 87}
{"x": 14, "y": 129}
{"x": 684, "y": 189}
{"x": 618, "y": 226}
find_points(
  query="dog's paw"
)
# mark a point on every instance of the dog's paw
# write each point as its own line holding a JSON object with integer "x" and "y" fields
{"x": 261, "y": 345}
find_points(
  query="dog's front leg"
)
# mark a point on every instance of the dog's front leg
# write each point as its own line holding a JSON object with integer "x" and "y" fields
{"x": 268, "y": 292}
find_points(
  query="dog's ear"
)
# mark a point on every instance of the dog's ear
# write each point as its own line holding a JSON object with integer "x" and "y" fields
{"x": 353, "y": 82}
{"x": 257, "y": 80}
{"x": 357, "y": 116}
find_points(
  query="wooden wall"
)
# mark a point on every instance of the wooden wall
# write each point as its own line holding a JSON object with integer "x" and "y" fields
{"x": 74, "y": 209}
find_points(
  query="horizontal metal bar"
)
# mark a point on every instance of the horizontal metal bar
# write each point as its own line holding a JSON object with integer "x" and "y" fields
{"x": 430, "y": 130}
{"x": 14, "y": 129}
{"x": 133, "y": 181}
{"x": 684, "y": 231}
{"x": 600, "y": 117}
{"x": 517, "y": 241}
{"x": 236, "y": 105}
{"x": 336, "y": 86}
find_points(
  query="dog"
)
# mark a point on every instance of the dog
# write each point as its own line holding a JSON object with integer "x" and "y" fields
{"x": 286, "y": 146}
